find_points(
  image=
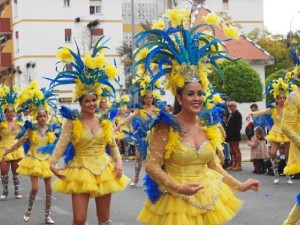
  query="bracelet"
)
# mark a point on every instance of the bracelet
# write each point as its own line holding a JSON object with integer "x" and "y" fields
{"x": 53, "y": 162}
{"x": 178, "y": 187}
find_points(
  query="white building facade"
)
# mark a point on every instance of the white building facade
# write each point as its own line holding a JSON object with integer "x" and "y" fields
{"x": 41, "y": 27}
{"x": 249, "y": 14}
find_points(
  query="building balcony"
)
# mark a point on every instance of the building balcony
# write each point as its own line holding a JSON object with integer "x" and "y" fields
{"x": 5, "y": 61}
{"x": 5, "y": 26}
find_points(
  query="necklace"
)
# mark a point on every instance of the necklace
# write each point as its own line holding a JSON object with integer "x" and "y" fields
{"x": 187, "y": 127}
{"x": 42, "y": 131}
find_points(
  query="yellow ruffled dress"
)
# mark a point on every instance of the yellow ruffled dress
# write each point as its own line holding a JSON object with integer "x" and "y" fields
{"x": 290, "y": 125}
{"x": 92, "y": 169}
{"x": 214, "y": 204}
{"x": 8, "y": 139}
{"x": 121, "y": 134}
{"x": 35, "y": 163}
{"x": 275, "y": 134}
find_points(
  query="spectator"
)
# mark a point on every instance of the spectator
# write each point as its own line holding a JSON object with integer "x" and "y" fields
{"x": 233, "y": 136}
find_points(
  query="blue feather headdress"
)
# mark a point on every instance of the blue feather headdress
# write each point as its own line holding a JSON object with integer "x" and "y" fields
{"x": 179, "y": 54}
{"x": 282, "y": 85}
{"x": 36, "y": 100}
{"x": 296, "y": 58}
{"x": 8, "y": 97}
{"x": 89, "y": 73}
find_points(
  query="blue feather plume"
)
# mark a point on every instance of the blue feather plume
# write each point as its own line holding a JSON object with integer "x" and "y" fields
{"x": 152, "y": 191}
{"x": 69, "y": 153}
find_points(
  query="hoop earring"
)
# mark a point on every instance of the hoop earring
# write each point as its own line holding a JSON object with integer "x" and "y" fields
{"x": 180, "y": 103}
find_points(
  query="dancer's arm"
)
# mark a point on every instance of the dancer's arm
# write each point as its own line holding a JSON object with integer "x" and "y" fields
{"x": 290, "y": 118}
{"x": 63, "y": 141}
{"x": 20, "y": 142}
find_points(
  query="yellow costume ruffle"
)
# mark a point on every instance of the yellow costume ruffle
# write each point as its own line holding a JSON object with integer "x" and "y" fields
{"x": 91, "y": 170}
{"x": 8, "y": 139}
{"x": 15, "y": 155}
{"x": 214, "y": 204}
{"x": 277, "y": 137}
{"x": 30, "y": 166}
{"x": 170, "y": 210}
{"x": 81, "y": 180}
{"x": 35, "y": 163}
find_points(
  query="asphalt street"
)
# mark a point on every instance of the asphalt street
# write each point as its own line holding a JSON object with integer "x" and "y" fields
{"x": 269, "y": 206}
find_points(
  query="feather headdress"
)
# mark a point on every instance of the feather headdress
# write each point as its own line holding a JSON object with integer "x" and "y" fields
{"x": 8, "y": 97}
{"x": 283, "y": 85}
{"x": 295, "y": 55}
{"x": 121, "y": 103}
{"x": 142, "y": 83}
{"x": 89, "y": 73}
{"x": 36, "y": 100}
{"x": 181, "y": 55}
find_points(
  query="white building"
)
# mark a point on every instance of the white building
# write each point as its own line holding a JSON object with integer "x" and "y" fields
{"x": 249, "y": 14}
{"x": 38, "y": 28}
{"x": 32, "y": 30}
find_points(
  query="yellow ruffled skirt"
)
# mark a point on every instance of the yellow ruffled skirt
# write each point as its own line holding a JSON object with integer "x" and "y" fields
{"x": 83, "y": 181}
{"x": 277, "y": 137}
{"x": 30, "y": 166}
{"x": 172, "y": 210}
{"x": 15, "y": 155}
{"x": 293, "y": 165}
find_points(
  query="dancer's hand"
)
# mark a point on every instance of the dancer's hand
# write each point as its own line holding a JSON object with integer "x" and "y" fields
{"x": 118, "y": 128}
{"x": 55, "y": 170}
{"x": 250, "y": 184}
{"x": 118, "y": 169}
{"x": 3, "y": 162}
{"x": 190, "y": 189}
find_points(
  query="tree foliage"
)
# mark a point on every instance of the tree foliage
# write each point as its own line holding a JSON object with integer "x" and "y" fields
{"x": 278, "y": 45}
{"x": 241, "y": 82}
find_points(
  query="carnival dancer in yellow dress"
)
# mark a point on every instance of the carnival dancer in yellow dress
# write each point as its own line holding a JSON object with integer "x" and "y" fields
{"x": 88, "y": 171}
{"x": 189, "y": 187}
{"x": 279, "y": 89}
{"x": 290, "y": 126}
{"x": 9, "y": 130}
{"x": 143, "y": 115}
{"x": 121, "y": 105}
{"x": 36, "y": 164}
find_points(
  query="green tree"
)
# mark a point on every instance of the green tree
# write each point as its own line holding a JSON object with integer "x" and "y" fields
{"x": 241, "y": 82}
{"x": 278, "y": 45}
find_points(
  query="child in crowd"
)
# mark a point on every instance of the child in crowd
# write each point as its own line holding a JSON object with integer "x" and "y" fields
{"x": 258, "y": 150}
{"x": 281, "y": 158}
{"x": 268, "y": 163}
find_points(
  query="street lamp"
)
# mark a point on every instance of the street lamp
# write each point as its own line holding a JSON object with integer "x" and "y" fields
{"x": 290, "y": 39}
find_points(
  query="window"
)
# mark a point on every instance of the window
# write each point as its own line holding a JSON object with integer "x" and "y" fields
{"x": 17, "y": 41}
{"x": 95, "y": 7}
{"x": 68, "y": 35}
{"x": 225, "y": 4}
{"x": 66, "y": 3}
{"x": 15, "y": 8}
{"x": 96, "y": 32}
{"x": 69, "y": 67}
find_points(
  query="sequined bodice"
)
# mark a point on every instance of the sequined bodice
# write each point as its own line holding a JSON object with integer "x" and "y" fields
{"x": 277, "y": 121}
{"x": 186, "y": 159}
{"x": 90, "y": 144}
{"x": 8, "y": 134}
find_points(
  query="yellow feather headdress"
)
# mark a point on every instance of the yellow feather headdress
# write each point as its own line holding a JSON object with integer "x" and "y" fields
{"x": 89, "y": 73}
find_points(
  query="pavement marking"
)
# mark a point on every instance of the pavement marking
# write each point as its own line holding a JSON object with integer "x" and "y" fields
{"x": 59, "y": 210}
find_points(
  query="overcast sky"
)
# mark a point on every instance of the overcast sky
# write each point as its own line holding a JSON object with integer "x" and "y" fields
{"x": 278, "y": 15}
